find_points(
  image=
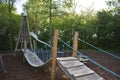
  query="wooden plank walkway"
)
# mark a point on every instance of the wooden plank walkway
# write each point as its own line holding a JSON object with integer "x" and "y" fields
{"x": 77, "y": 70}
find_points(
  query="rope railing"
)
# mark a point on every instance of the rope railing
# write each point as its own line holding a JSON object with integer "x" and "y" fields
{"x": 68, "y": 42}
{"x": 100, "y": 49}
{"x": 101, "y": 66}
{"x": 106, "y": 69}
{"x": 82, "y": 55}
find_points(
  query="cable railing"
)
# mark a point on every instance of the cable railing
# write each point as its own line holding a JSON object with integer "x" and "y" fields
{"x": 100, "y": 49}
{"x": 82, "y": 55}
{"x": 68, "y": 42}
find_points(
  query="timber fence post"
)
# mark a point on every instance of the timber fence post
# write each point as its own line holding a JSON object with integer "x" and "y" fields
{"x": 54, "y": 55}
{"x": 75, "y": 44}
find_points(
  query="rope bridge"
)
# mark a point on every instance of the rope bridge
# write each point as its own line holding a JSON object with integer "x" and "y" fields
{"x": 45, "y": 55}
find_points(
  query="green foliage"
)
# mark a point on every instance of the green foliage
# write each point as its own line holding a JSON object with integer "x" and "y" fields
{"x": 101, "y": 29}
{"x": 9, "y": 27}
{"x": 96, "y": 29}
{"x": 108, "y": 30}
{"x": 39, "y": 15}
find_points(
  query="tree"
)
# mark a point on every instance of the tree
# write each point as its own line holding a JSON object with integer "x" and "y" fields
{"x": 107, "y": 30}
{"x": 9, "y": 24}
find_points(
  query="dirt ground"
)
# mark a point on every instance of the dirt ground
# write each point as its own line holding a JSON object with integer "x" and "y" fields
{"x": 16, "y": 69}
{"x": 107, "y": 61}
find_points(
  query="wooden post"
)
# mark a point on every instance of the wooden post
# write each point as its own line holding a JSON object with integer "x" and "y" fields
{"x": 75, "y": 44}
{"x": 1, "y": 63}
{"x": 54, "y": 55}
{"x": 25, "y": 47}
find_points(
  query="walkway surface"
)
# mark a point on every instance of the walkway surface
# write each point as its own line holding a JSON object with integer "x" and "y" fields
{"x": 77, "y": 70}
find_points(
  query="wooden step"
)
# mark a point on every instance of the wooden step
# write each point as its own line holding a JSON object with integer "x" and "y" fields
{"x": 90, "y": 77}
{"x": 70, "y": 64}
{"x": 66, "y": 59}
{"x": 80, "y": 71}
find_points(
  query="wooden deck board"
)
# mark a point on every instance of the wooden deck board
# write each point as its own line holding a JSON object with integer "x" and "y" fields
{"x": 66, "y": 59}
{"x": 80, "y": 71}
{"x": 90, "y": 77}
{"x": 70, "y": 64}
{"x": 77, "y": 70}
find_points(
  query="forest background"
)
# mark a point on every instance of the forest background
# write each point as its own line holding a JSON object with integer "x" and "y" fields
{"x": 101, "y": 28}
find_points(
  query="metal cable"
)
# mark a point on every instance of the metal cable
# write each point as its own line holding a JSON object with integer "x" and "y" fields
{"x": 100, "y": 49}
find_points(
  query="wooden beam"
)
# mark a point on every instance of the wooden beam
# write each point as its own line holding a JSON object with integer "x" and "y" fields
{"x": 1, "y": 64}
{"x": 54, "y": 55}
{"x": 25, "y": 47}
{"x": 75, "y": 44}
